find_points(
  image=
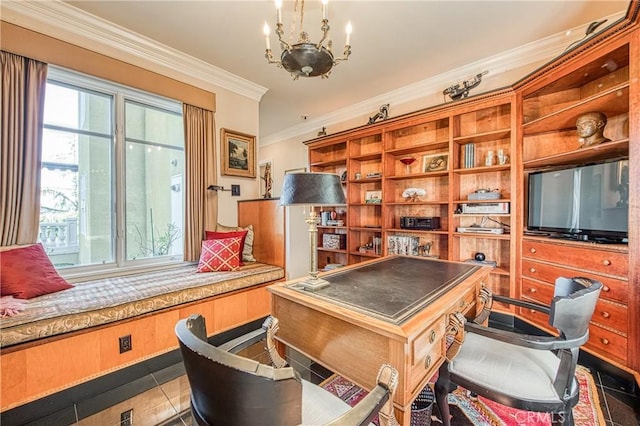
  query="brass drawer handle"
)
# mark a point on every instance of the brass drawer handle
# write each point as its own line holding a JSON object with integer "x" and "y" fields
{"x": 432, "y": 336}
{"x": 427, "y": 361}
{"x": 532, "y": 270}
{"x": 606, "y": 289}
{"x": 532, "y": 250}
{"x": 604, "y": 341}
{"x": 532, "y": 290}
{"x": 606, "y": 262}
{"x": 533, "y": 311}
{"x": 606, "y": 314}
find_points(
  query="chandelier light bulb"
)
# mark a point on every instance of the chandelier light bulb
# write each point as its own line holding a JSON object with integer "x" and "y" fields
{"x": 279, "y": 10}
{"x": 266, "y": 31}
{"x": 349, "y": 29}
{"x": 324, "y": 8}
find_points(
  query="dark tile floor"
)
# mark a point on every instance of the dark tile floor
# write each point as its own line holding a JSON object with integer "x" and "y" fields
{"x": 156, "y": 392}
{"x": 162, "y": 398}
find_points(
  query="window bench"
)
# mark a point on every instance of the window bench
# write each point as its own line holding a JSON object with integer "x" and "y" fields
{"x": 66, "y": 338}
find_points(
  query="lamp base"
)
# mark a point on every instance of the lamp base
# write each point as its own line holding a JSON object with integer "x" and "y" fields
{"x": 310, "y": 284}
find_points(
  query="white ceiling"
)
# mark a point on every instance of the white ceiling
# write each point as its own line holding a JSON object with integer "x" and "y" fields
{"x": 394, "y": 43}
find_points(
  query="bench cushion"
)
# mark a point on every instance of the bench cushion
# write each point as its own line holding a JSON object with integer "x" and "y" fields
{"x": 108, "y": 300}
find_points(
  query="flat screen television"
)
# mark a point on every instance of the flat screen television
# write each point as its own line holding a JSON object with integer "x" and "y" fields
{"x": 587, "y": 202}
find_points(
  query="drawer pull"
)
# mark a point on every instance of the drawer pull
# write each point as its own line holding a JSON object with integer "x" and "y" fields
{"x": 532, "y": 290}
{"x": 427, "y": 361}
{"x": 604, "y": 341}
{"x": 432, "y": 336}
{"x": 606, "y": 262}
{"x": 606, "y": 314}
{"x": 533, "y": 311}
{"x": 606, "y": 289}
{"x": 532, "y": 270}
{"x": 532, "y": 250}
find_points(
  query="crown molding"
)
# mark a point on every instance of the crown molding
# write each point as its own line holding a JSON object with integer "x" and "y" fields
{"x": 70, "y": 24}
{"x": 534, "y": 53}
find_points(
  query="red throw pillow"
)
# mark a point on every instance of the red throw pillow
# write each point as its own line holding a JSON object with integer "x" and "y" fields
{"x": 214, "y": 235}
{"x": 27, "y": 272}
{"x": 220, "y": 255}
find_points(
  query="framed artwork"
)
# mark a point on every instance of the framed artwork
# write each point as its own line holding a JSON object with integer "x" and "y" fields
{"x": 238, "y": 154}
{"x": 298, "y": 170}
{"x": 373, "y": 197}
{"x": 435, "y": 162}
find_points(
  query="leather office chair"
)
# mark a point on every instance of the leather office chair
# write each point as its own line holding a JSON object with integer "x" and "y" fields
{"x": 526, "y": 372}
{"x": 228, "y": 389}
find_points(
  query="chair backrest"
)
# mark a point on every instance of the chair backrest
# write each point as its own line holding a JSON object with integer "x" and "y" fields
{"x": 573, "y": 304}
{"x": 234, "y": 390}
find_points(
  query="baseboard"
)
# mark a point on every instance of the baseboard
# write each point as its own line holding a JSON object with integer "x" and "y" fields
{"x": 110, "y": 389}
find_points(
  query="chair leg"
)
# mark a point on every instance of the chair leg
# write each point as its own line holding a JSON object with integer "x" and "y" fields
{"x": 442, "y": 388}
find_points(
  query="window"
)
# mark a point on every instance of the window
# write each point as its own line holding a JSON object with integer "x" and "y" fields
{"x": 112, "y": 175}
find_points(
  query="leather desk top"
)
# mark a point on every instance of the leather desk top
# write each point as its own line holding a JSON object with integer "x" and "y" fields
{"x": 394, "y": 288}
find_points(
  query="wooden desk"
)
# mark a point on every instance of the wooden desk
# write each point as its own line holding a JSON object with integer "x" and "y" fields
{"x": 393, "y": 310}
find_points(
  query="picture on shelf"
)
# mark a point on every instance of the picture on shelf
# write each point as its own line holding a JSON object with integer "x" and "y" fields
{"x": 373, "y": 197}
{"x": 435, "y": 162}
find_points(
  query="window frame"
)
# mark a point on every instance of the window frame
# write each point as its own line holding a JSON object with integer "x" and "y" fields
{"x": 120, "y": 95}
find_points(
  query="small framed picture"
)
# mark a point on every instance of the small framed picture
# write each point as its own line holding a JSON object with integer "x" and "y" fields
{"x": 373, "y": 197}
{"x": 238, "y": 154}
{"x": 435, "y": 162}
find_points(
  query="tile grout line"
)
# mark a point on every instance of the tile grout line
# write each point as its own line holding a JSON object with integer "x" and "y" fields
{"x": 604, "y": 396}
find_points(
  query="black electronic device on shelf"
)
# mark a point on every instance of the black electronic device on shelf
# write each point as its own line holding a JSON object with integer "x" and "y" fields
{"x": 581, "y": 203}
{"x": 419, "y": 223}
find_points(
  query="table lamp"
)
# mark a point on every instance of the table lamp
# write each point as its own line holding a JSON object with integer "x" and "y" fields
{"x": 314, "y": 190}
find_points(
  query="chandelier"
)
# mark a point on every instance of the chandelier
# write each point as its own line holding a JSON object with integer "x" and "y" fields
{"x": 305, "y": 58}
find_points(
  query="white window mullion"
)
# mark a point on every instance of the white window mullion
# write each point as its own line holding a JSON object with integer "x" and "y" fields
{"x": 119, "y": 187}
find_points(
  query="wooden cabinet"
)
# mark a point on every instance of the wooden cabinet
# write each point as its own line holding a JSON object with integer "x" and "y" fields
{"x": 545, "y": 260}
{"x": 596, "y": 81}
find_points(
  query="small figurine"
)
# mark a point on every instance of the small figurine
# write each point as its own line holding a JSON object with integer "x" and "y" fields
{"x": 268, "y": 182}
{"x": 381, "y": 115}
{"x": 590, "y": 128}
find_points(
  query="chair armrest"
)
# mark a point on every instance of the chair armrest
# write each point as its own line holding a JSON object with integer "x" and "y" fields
{"x": 378, "y": 401}
{"x": 522, "y": 303}
{"x": 526, "y": 340}
{"x": 364, "y": 412}
{"x": 244, "y": 341}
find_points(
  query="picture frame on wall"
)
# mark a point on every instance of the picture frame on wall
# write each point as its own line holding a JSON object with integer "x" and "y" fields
{"x": 435, "y": 162}
{"x": 237, "y": 154}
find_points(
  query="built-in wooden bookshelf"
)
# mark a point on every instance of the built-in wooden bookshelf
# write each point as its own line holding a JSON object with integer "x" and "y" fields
{"x": 492, "y": 142}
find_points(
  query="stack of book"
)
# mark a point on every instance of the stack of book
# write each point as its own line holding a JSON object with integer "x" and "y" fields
{"x": 469, "y": 155}
{"x": 405, "y": 245}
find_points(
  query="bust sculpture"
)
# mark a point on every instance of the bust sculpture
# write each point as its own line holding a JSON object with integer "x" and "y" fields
{"x": 590, "y": 128}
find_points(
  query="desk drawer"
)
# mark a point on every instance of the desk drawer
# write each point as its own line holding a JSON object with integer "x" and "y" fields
{"x": 612, "y": 289}
{"x": 427, "y": 350}
{"x": 601, "y": 261}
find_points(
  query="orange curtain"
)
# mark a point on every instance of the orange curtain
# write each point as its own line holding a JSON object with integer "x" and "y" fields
{"x": 201, "y": 206}
{"x": 23, "y": 88}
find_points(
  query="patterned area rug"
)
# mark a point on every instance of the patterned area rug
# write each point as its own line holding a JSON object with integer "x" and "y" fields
{"x": 467, "y": 410}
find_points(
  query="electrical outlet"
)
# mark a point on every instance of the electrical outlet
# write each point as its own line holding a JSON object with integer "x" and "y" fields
{"x": 235, "y": 190}
{"x": 125, "y": 343}
{"x": 126, "y": 418}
